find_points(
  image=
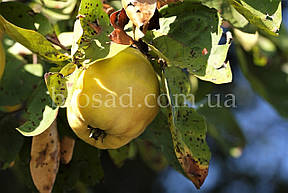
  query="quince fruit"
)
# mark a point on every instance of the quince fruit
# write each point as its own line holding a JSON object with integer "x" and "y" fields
{"x": 114, "y": 100}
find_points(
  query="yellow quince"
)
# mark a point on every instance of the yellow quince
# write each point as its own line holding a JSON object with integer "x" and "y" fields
{"x": 114, "y": 100}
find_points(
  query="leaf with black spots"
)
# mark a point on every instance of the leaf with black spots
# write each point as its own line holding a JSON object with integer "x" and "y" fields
{"x": 32, "y": 40}
{"x": 39, "y": 114}
{"x": 23, "y": 16}
{"x": 188, "y": 128}
{"x": 188, "y": 42}
{"x": 56, "y": 84}
{"x": 91, "y": 30}
{"x": 265, "y": 14}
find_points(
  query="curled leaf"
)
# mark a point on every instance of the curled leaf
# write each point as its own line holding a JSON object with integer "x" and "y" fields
{"x": 119, "y": 36}
{"x": 118, "y": 20}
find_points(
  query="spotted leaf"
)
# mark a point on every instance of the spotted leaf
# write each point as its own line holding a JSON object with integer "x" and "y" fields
{"x": 32, "y": 40}
{"x": 56, "y": 84}
{"x": 265, "y": 14}
{"x": 39, "y": 114}
{"x": 189, "y": 38}
{"x": 91, "y": 31}
{"x": 188, "y": 128}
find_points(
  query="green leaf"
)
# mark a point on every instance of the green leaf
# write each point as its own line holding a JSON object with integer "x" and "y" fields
{"x": 90, "y": 164}
{"x": 32, "y": 40}
{"x": 178, "y": 82}
{"x": 191, "y": 41}
{"x": 151, "y": 156}
{"x": 85, "y": 166}
{"x": 68, "y": 69}
{"x": 39, "y": 114}
{"x": 55, "y": 10}
{"x": 218, "y": 69}
{"x": 246, "y": 39}
{"x": 188, "y": 128}
{"x": 282, "y": 40}
{"x": 91, "y": 32}
{"x": 18, "y": 13}
{"x": 23, "y": 16}
{"x": 119, "y": 156}
{"x": 227, "y": 11}
{"x": 21, "y": 169}
{"x": 67, "y": 177}
{"x": 158, "y": 133}
{"x": 265, "y": 14}
{"x": 268, "y": 81}
{"x": 56, "y": 84}
{"x": 16, "y": 76}
{"x": 10, "y": 140}
{"x": 34, "y": 69}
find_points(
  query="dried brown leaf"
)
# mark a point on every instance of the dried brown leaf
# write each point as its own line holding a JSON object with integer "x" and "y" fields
{"x": 118, "y": 20}
{"x": 119, "y": 36}
{"x": 161, "y": 3}
{"x": 139, "y": 11}
{"x": 67, "y": 148}
{"x": 45, "y": 158}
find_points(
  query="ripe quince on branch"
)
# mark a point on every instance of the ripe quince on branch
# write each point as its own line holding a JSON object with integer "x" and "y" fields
{"x": 114, "y": 100}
